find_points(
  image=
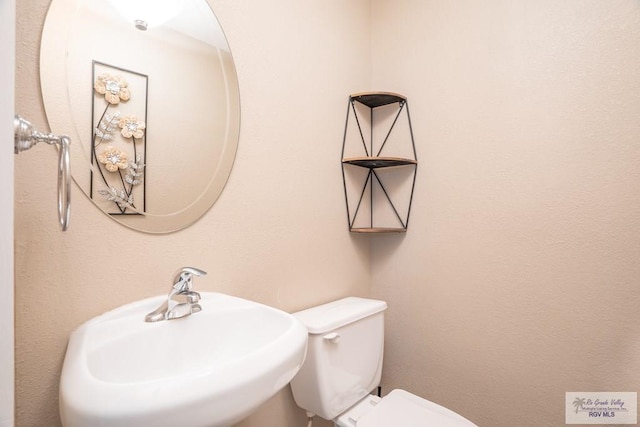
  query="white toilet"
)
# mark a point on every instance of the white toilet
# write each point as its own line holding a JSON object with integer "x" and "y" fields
{"x": 344, "y": 364}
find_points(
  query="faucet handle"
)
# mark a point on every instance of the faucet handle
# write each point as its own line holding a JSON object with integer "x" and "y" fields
{"x": 194, "y": 271}
{"x": 183, "y": 278}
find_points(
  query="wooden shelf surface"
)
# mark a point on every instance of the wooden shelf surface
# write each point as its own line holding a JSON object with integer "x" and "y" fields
{"x": 377, "y": 99}
{"x": 378, "y": 162}
{"x": 377, "y": 230}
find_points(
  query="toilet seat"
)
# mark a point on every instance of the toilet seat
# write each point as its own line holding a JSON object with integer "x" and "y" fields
{"x": 401, "y": 408}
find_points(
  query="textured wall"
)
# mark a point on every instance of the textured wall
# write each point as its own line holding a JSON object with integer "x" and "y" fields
{"x": 518, "y": 279}
{"x": 277, "y": 234}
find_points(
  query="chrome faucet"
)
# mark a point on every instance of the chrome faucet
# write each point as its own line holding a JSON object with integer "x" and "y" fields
{"x": 181, "y": 301}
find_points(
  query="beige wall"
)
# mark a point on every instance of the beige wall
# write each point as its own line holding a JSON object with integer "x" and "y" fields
{"x": 519, "y": 277}
{"x": 276, "y": 235}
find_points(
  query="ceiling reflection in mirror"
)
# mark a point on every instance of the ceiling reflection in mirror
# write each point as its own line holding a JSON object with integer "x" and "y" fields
{"x": 150, "y": 102}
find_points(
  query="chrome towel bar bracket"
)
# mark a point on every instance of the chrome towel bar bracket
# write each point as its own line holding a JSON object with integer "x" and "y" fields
{"x": 25, "y": 137}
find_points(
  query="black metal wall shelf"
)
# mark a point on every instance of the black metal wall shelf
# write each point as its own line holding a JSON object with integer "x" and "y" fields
{"x": 394, "y": 105}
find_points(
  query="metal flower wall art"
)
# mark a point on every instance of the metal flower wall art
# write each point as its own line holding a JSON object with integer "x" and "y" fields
{"x": 119, "y": 140}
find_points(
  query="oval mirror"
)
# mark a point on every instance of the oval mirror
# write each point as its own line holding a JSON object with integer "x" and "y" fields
{"x": 149, "y": 97}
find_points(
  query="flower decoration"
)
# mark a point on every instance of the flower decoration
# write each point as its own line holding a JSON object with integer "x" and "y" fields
{"x": 113, "y": 159}
{"x": 114, "y": 88}
{"x": 121, "y": 172}
{"x": 131, "y": 127}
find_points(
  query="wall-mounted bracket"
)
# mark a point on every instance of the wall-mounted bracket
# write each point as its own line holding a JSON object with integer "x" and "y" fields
{"x": 26, "y": 137}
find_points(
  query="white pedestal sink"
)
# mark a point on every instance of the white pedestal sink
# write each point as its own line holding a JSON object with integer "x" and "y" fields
{"x": 210, "y": 369}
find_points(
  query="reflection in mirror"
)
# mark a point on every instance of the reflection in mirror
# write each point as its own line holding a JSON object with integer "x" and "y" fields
{"x": 152, "y": 102}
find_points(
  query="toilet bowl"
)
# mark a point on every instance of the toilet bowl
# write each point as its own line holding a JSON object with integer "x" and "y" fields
{"x": 344, "y": 364}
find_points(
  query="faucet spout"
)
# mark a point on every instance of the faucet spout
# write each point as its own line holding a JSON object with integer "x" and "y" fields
{"x": 158, "y": 314}
{"x": 181, "y": 301}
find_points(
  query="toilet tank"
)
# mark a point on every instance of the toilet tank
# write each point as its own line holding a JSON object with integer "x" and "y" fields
{"x": 344, "y": 355}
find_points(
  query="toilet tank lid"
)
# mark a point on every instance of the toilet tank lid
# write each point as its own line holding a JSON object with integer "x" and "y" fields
{"x": 333, "y": 315}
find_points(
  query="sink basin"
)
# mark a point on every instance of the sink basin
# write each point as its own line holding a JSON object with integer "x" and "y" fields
{"x": 210, "y": 369}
